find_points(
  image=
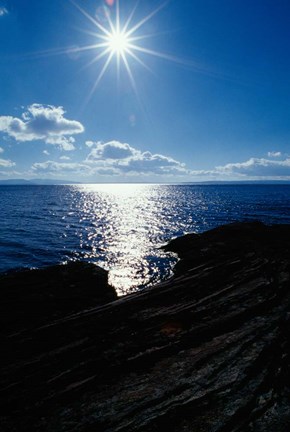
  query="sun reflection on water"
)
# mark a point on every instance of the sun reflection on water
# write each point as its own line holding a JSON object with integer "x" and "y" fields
{"x": 120, "y": 227}
{"x": 121, "y": 221}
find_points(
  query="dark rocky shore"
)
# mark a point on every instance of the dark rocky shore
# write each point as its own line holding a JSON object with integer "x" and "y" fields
{"x": 207, "y": 350}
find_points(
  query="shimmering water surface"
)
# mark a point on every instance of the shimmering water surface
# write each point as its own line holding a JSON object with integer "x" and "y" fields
{"x": 121, "y": 227}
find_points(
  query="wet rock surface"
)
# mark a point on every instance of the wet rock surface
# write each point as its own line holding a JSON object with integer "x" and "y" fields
{"x": 207, "y": 350}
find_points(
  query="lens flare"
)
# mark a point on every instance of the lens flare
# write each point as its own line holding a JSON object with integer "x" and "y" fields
{"x": 119, "y": 40}
{"x": 115, "y": 39}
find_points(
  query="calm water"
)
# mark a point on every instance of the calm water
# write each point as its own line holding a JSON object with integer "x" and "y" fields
{"x": 121, "y": 227}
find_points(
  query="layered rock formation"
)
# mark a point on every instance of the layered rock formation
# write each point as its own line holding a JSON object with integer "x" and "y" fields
{"x": 207, "y": 350}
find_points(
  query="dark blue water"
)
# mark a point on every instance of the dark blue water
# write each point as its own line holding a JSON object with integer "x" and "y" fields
{"x": 121, "y": 227}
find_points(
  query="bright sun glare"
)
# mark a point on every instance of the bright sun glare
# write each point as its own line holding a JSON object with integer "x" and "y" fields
{"x": 119, "y": 40}
{"x": 119, "y": 43}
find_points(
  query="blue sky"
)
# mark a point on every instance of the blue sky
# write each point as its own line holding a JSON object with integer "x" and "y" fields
{"x": 215, "y": 105}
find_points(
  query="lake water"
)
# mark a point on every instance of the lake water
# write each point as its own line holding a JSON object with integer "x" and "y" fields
{"x": 121, "y": 227}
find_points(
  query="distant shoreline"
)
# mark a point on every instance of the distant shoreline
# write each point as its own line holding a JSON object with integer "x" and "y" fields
{"x": 54, "y": 182}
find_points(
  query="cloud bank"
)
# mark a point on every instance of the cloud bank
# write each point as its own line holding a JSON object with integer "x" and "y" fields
{"x": 252, "y": 169}
{"x": 121, "y": 158}
{"x": 42, "y": 122}
{"x": 255, "y": 167}
{"x": 115, "y": 159}
{"x": 60, "y": 167}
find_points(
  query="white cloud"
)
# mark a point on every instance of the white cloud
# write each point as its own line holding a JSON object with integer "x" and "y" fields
{"x": 64, "y": 158}
{"x": 3, "y": 11}
{"x": 252, "y": 169}
{"x": 153, "y": 163}
{"x": 46, "y": 152}
{"x": 6, "y": 163}
{"x": 256, "y": 167}
{"x": 1, "y": 150}
{"x": 112, "y": 150}
{"x": 42, "y": 122}
{"x": 137, "y": 163}
{"x": 115, "y": 159}
{"x": 66, "y": 143}
{"x": 59, "y": 167}
{"x": 274, "y": 154}
{"x": 125, "y": 159}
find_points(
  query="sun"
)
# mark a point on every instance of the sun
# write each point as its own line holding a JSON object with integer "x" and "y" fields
{"x": 119, "y": 40}
{"x": 118, "y": 43}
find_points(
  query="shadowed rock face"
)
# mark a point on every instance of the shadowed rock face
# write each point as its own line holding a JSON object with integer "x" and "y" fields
{"x": 30, "y": 298}
{"x": 205, "y": 351}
